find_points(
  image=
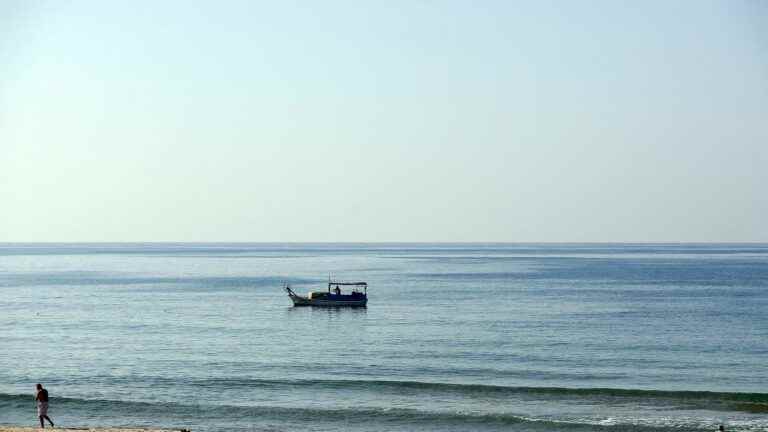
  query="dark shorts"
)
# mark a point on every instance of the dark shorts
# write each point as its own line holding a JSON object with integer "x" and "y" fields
{"x": 42, "y": 408}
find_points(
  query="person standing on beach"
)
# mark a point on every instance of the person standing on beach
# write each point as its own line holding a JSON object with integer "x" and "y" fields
{"x": 42, "y": 405}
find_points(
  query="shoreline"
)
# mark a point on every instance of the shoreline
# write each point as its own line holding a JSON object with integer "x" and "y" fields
{"x": 7, "y": 428}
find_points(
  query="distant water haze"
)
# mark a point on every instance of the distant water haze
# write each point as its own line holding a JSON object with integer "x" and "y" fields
{"x": 396, "y": 121}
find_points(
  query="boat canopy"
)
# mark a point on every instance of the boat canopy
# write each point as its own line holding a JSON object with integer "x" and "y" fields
{"x": 354, "y": 285}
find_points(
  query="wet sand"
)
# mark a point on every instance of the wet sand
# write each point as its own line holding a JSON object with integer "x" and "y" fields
{"x": 80, "y": 429}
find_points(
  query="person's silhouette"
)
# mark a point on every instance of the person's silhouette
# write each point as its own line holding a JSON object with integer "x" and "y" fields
{"x": 42, "y": 405}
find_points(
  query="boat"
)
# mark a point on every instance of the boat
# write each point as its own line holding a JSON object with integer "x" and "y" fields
{"x": 334, "y": 297}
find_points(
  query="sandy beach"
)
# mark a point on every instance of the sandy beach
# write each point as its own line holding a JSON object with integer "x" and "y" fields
{"x": 80, "y": 429}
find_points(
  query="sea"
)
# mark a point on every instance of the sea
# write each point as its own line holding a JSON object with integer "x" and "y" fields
{"x": 456, "y": 337}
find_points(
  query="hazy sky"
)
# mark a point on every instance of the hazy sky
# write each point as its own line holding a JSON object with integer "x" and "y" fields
{"x": 383, "y": 121}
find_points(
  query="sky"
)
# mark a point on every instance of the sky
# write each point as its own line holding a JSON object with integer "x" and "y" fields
{"x": 396, "y": 121}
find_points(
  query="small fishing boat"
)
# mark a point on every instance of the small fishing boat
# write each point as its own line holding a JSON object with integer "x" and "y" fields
{"x": 334, "y": 297}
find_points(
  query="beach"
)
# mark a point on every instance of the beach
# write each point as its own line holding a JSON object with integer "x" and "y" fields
{"x": 79, "y": 429}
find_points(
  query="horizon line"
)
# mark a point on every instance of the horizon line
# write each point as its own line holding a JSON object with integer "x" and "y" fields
{"x": 480, "y": 242}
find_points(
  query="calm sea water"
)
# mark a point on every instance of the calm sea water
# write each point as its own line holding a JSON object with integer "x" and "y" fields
{"x": 457, "y": 337}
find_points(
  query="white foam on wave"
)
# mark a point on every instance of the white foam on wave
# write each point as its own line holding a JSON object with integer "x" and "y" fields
{"x": 756, "y": 424}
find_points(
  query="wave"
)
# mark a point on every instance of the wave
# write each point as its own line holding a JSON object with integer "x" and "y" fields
{"x": 681, "y": 399}
{"x": 160, "y": 414}
{"x": 486, "y": 390}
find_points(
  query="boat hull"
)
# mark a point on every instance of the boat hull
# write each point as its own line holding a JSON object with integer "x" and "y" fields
{"x": 304, "y": 301}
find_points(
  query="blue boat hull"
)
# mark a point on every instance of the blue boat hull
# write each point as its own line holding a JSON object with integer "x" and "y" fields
{"x": 304, "y": 301}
